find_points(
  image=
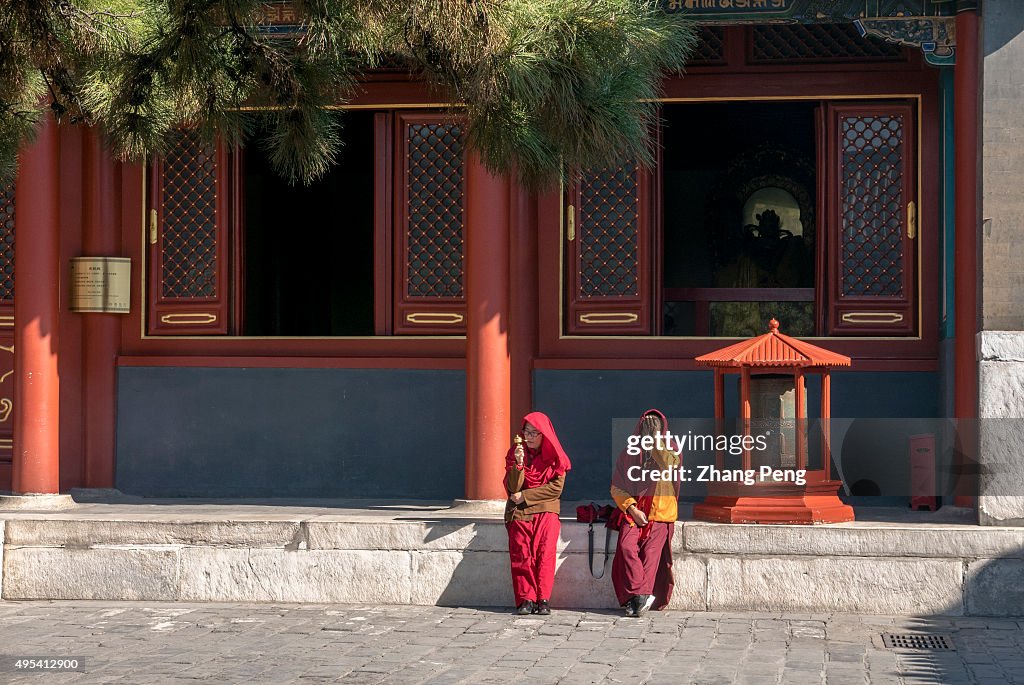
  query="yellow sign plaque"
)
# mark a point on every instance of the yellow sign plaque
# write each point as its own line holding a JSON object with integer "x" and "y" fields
{"x": 101, "y": 284}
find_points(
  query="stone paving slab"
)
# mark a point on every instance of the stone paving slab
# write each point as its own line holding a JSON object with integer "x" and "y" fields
{"x": 152, "y": 642}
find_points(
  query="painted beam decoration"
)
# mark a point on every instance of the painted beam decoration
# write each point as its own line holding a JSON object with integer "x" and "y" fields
{"x": 935, "y": 36}
{"x": 285, "y": 13}
{"x": 279, "y": 17}
{"x": 926, "y": 24}
{"x": 808, "y": 11}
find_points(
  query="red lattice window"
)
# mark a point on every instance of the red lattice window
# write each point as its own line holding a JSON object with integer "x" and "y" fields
{"x": 197, "y": 235}
{"x": 430, "y": 219}
{"x": 710, "y": 49}
{"x": 7, "y": 245}
{"x": 873, "y": 219}
{"x": 188, "y": 239}
{"x": 786, "y": 43}
{"x": 608, "y": 231}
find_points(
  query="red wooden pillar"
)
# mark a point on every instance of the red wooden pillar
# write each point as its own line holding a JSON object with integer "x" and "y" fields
{"x": 100, "y": 332}
{"x": 826, "y": 424}
{"x": 37, "y": 274}
{"x": 719, "y": 395}
{"x": 745, "y": 411}
{"x": 487, "y": 352}
{"x": 801, "y": 419}
{"x": 967, "y": 152}
{"x": 720, "y": 413}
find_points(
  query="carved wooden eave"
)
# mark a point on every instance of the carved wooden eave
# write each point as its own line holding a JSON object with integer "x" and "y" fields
{"x": 929, "y": 25}
{"x": 935, "y": 36}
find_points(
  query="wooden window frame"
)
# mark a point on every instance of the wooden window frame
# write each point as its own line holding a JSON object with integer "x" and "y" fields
{"x": 191, "y": 315}
{"x": 733, "y": 80}
{"x": 415, "y": 350}
{"x": 910, "y": 81}
{"x": 870, "y": 314}
{"x": 615, "y": 314}
{"x": 417, "y": 315}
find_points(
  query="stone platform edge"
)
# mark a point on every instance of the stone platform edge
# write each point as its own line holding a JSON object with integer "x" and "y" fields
{"x": 883, "y": 569}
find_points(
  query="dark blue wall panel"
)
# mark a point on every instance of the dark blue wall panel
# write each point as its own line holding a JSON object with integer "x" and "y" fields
{"x": 584, "y": 404}
{"x": 228, "y": 432}
{"x": 398, "y": 433}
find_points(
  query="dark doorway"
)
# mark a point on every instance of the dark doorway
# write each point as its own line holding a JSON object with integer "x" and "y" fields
{"x": 308, "y": 250}
{"x": 739, "y": 188}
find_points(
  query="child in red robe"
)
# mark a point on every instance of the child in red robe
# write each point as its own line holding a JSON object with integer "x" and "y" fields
{"x": 642, "y": 569}
{"x": 534, "y": 478}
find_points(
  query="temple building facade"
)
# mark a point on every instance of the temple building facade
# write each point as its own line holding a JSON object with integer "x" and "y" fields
{"x": 847, "y": 168}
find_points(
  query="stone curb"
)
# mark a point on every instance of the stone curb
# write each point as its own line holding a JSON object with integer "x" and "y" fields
{"x": 1005, "y": 346}
{"x": 942, "y": 570}
{"x": 43, "y": 502}
{"x": 329, "y": 533}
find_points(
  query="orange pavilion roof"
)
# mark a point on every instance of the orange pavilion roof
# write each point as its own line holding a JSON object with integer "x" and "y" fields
{"x": 773, "y": 349}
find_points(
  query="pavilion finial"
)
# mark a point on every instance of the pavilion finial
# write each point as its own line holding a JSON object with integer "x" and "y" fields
{"x": 773, "y": 326}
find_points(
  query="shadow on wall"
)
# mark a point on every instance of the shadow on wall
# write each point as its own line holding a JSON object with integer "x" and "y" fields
{"x": 1003, "y": 22}
{"x": 479, "y": 573}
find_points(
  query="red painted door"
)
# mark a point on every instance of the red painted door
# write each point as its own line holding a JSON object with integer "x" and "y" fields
{"x": 188, "y": 239}
{"x": 871, "y": 227}
{"x": 608, "y": 228}
{"x": 430, "y": 254}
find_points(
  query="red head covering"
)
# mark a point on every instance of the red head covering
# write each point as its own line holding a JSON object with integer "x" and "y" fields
{"x": 650, "y": 412}
{"x": 550, "y": 461}
{"x": 641, "y": 490}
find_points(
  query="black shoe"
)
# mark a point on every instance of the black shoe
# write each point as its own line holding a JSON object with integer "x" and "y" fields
{"x": 542, "y": 608}
{"x": 643, "y": 603}
{"x": 526, "y": 608}
{"x": 631, "y": 606}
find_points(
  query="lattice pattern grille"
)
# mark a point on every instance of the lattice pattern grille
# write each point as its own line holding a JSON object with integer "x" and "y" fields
{"x": 7, "y": 244}
{"x": 817, "y": 43}
{"x": 434, "y": 190}
{"x": 189, "y": 230}
{"x": 872, "y": 205}
{"x": 710, "y": 48}
{"x": 607, "y": 229}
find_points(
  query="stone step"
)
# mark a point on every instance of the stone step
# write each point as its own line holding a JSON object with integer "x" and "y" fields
{"x": 430, "y": 556}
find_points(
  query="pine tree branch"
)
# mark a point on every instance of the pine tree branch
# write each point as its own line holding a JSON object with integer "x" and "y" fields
{"x": 546, "y": 85}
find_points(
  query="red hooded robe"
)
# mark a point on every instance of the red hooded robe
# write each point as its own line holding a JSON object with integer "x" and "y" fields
{"x": 643, "y": 491}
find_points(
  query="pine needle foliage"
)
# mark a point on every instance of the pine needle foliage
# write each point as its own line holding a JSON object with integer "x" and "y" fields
{"x": 543, "y": 85}
{"x": 549, "y": 85}
{"x": 44, "y": 46}
{"x": 204, "y": 63}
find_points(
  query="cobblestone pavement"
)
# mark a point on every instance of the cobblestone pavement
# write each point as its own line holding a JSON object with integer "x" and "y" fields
{"x": 137, "y": 642}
